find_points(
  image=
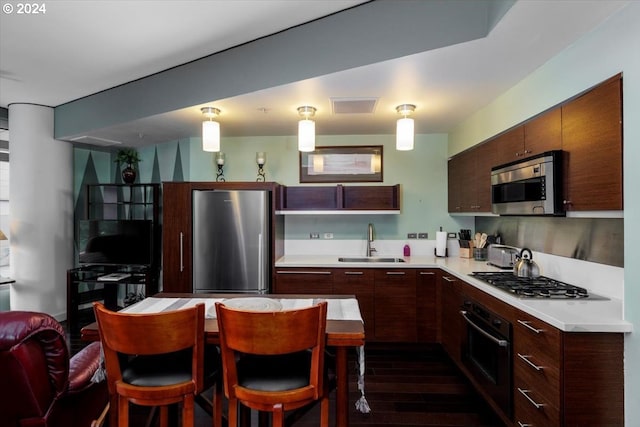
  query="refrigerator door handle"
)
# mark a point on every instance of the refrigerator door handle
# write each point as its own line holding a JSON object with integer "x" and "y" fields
{"x": 261, "y": 282}
{"x": 181, "y": 252}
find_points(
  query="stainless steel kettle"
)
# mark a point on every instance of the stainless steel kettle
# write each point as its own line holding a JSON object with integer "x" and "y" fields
{"x": 525, "y": 266}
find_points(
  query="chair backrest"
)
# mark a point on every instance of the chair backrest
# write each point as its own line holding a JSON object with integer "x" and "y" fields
{"x": 151, "y": 334}
{"x": 272, "y": 333}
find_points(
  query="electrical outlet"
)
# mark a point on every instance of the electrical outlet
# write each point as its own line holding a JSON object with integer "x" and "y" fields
{"x": 314, "y": 235}
{"x": 328, "y": 235}
{"x": 423, "y": 235}
{"x": 412, "y": 235}
{"x": 451, "y": 236}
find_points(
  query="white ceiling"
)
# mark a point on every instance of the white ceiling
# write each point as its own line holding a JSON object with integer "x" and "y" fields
{"x": 78, "y": 48}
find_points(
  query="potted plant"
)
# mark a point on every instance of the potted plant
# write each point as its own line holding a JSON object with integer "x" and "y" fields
{"x": 131, "y": 158}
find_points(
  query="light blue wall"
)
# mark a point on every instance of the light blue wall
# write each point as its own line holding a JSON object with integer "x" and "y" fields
{"x": 614, "y": 47}
{"x": 421, "y": 173}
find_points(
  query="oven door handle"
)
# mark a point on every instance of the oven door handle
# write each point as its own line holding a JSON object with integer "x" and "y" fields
{"x": 501, "y": 343}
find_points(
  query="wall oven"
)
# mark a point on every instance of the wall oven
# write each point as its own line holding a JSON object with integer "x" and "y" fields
{"x": 486, "y": 352}
{"x": 532, "y": 186}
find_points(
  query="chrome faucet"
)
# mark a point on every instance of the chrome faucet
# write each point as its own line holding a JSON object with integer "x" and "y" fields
{"x": 370, "y": 249}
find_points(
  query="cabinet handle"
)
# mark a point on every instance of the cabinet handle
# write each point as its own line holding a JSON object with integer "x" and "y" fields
{"x": 527, "y": 324}
{"x": 395, "y": 273}
{"x": 448, "y": 279}
{"x": 303, "y": 272}
{"x": 529, "y": 362}
{"x": 525, "y": 393}
{"x": 181, "y": 252}
{"x": 521, "y": 424}
{"x": 353, "y": 273}
{"x": 566, "y": 202}
{"x": 427, "y": 273}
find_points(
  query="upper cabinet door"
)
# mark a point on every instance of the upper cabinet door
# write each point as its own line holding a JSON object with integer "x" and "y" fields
{"x": 592, "y": 141}
{"x": 543, "y": 133}
{"x": 509, "y": 145}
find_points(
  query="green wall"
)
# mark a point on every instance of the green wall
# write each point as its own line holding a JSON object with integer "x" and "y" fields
{"x": 421, "y": 173}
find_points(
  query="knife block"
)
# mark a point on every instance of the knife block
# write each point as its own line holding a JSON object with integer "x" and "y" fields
{"x": 466, "y": 249}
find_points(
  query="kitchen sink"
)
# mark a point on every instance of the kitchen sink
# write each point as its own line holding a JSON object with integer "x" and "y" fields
{"x": 370, "y": 259}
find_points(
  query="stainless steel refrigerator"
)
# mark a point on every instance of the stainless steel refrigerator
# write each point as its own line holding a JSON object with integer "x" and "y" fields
{"x": 231, "y": 241}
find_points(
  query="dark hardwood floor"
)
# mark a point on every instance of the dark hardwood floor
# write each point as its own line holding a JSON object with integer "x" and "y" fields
{"x": 404, "y": 386}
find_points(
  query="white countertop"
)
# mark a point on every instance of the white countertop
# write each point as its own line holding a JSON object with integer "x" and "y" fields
{"x": 566, "y": 315}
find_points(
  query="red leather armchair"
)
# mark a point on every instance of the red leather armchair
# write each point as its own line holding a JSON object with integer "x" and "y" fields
{"x": 39, "y": 384}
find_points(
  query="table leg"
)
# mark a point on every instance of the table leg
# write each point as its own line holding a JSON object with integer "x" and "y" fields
{"x": 342, "y": 388}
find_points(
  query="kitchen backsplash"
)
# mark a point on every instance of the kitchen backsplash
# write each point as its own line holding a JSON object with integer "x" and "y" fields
{"x": 599, "y": 240}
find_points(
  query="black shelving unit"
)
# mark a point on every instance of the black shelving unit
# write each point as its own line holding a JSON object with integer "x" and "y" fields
{"x": 85, "y": 283}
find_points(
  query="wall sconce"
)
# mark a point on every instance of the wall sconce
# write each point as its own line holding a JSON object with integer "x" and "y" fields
{"x": 404, "y": 129}
{"x": 210, "y": 129}
{"x": 306, "y": 129}
{"x": 261, "y": 159}
{"x": 220, "y": 163}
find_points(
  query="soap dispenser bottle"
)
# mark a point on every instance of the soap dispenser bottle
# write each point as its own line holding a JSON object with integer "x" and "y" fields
{"x": 407, "y": 250}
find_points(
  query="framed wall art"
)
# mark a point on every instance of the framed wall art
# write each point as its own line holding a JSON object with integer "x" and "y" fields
{"x": 342, "y": 164}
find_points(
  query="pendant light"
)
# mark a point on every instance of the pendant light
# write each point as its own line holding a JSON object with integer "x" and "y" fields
{"x": 210, "y": 129}
{"x": 306, "y": 129}
{"x": 404, "y": 129}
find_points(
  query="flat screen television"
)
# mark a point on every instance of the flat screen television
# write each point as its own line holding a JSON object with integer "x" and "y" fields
{"x": 112, "y": 242}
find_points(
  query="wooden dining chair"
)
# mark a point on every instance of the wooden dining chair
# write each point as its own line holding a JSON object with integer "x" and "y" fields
{"x": 152, "y": 360}
{"x": 274, "y": 361}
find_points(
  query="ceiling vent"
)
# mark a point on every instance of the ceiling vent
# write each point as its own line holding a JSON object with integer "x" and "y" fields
{"x": 354, "y": 105}
{"x": 93, "y": 140}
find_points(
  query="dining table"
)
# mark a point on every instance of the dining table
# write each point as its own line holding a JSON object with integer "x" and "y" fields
{"x": 344, "y": 329}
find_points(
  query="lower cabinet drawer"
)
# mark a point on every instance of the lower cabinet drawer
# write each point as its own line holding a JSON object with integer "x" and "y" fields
{"x": 537, "y": 373}
{"x": 531, "y": 409}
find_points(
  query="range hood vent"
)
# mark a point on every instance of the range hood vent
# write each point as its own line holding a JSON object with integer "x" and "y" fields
{"x": 354, "y": 105}
{"x": 93, "y": 140}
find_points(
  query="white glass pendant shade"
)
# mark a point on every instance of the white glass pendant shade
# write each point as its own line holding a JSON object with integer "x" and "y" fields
{"x": 404, "y": 134}
{"x": 306, "y": 135}
{"x": 210, "y": 136}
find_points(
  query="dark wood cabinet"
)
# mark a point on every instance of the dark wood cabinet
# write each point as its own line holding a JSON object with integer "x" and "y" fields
{"x": 395, "y": 305}
{"x": 592, "y": 144}
{"x": 305, "y": 281}
{"x": 460, "y": 171}
{"x": 469, "y": 179}
{"x": 451, "y": 322}
{"x": 566, "y": 378}
{"x": 176, "y": 237}
{"x": 340, "y": 198}
{"x": 537, "y": 135}
{"x": 509, "y": 145}
{"x": 543, "y": 133}
{"x": 426, "y": 308}
{"x": 559, "y": 378}
{"x": 178, "y": 224}
{"x": 358, "y": 282}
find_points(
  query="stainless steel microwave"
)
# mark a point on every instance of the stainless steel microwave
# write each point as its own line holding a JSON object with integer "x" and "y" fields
{"x": 532, "y": 186}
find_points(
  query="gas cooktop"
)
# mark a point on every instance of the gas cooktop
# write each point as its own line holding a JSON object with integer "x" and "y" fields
{"x": 538, "y": 287}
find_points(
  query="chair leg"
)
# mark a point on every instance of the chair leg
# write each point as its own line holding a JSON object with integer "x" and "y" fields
{"x": 187, "y": 411}
{"x": 217, "y": 404}
{"x": 324, "y": 406}
{"x": 232, "y": 416}
{"x": 123, "y": 412}
{"x": 278, "y": 415}
{"x": 164, "y": 416}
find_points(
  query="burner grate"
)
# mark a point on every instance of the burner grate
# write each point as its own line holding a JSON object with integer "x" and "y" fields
{"x": 538, "y": 287}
